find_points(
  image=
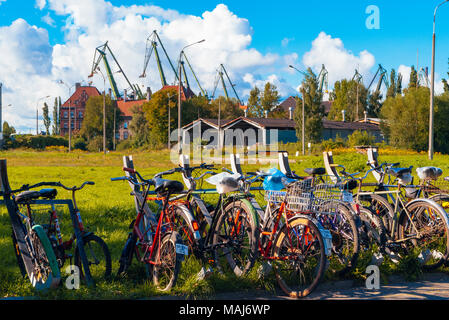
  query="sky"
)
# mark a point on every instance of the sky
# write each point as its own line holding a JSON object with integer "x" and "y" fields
{"x": 43, "y": 41}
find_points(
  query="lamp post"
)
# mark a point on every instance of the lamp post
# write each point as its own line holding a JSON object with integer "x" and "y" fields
{"x": 70, "y": 116}
{"x": 37, "y": 113}
{"x": 179, "y": 92}
{"x": 302, "y": 90}
{"x": 168, "y": 136}
{"x": 104, "y": 108}
{"x": 432, "y": 85}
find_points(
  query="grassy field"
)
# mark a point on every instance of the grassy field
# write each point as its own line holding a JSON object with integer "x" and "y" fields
{"x": 107, "y": 209}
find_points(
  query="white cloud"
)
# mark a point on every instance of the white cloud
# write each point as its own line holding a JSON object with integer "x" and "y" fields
{"x": 41, "y": 4}
{"x": 284, "y": 88}
{"x": 48, "y": 20}
{"x": 340, "y": 62}
{"x": 286, "y": 41}
{"x": 30, "y": 65}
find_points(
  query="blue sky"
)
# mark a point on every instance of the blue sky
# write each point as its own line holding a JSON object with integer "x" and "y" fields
{"x": 268, "y": 35}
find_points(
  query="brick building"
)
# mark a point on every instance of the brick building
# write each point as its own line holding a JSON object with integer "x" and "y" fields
{"x": 77, "y": 104}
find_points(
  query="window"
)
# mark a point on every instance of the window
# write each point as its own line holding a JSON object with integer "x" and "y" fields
{"x": 125, "y": 135}
{"x": 72, "y": 125}
{"x": 125, "y": 125}
{"x": 65, "y": 125}
{"x": 66, "y": 114}
{"x": 80, "y": 114}
{"x": 72, "y": 114}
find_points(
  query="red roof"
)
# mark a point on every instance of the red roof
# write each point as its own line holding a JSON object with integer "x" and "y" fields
{"x": 126, "y": 106}
{"x": 79, "y": 95}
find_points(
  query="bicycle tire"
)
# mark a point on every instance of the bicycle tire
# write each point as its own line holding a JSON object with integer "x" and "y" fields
{"x": 372, "y": 230}
{"x": 310, "y": 268}
{"x": 44, "y": 254}
{"x": 382, "y": 208}
{"x": 345, "y": 240}
{"x": 127, "y": 254}
{"x": 170, "y": 261}
{"x": 246, "y": 237}
{"x": 93, "y": 242}
{"x": 23, "y": 271}
{"x": 424, "y": 214}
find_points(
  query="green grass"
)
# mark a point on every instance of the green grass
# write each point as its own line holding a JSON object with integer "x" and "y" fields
{"x": 107, "y": 209}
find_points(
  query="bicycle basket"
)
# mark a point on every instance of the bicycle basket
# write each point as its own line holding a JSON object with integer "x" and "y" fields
{"x": 275, "y": 196}
{"x": 319, "y": 195}
{"x": 437, "y": 186}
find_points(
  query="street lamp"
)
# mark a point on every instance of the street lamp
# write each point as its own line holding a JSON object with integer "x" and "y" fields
{"x": 179, "y": 92}
{"x": 37, "y": 113}
{"x": 302, "y": 91}
{"x": 70, "y": 115}
{"x": 169, "y": 97}
{"x": 432, "y": 85}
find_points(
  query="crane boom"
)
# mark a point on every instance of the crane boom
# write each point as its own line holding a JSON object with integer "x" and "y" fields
{"x": 323, "y": 79}
{"x": 194, "y": 75}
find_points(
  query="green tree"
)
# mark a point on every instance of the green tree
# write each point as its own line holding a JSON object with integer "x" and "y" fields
{"x": 93, "y": 120}
{"x": 56, "y": 108}
{"x": 140, "y": 132}
{"x": 46, "y": 118}
{"x": 374, "y": 104}
{"x": 270, "y": 97}
{"x": 399, "y": 84}
{"x": 313, "y": 109}
{"x": 413, "y": 78}
{"x": 255, "y": 108}
{"x": 405, "y": 119}
{"x": 344, "y": 97}
{"x": 445, "y": 84}
{"x": 229, "y": 108}
{"x": 8, "y": 130}
{"x": 392, "y": 89}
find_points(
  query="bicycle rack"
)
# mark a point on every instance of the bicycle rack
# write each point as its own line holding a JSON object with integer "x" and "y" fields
{"x": 372, "y": 160}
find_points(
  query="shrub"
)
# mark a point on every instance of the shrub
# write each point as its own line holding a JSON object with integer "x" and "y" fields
{"x": 124, "y": 145}
{"x": 36, "y": 142}
{"x": 80, "y": 144}
{"x": 361, "y": 138}
{"x": 95, "y": 144}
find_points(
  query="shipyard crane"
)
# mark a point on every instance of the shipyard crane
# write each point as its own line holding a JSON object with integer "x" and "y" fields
{"x": 219, "y": 78}
{"x": 357, "y": 77}
{"x": 101, "y": 54}
{"x": 423, "y": 77}
{"x": 382, "y": 79}
{"x": 153, "y": 41}
{"x": 323, "y": 79}
{"x": 186, "y": 81}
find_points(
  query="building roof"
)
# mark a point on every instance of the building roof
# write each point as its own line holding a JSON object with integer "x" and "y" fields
{"x": 290, "y": 102}
{"x": 210, "y": 122}
{"x": 340, "y": 125}
{"x": 126, "y": 106}
{"x": 77, "y": 95}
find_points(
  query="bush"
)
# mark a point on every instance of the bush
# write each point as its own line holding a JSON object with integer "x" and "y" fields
{"x": 330, "y": 144}
{"x": 80, "y": 144}
{"x": 124, "y": 145}
{"x": 35, "y": 142}
{"x": 361, "y": 138}
{"x": 95, "y": 144}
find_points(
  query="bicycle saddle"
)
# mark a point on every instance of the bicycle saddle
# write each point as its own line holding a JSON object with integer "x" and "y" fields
{"x": 429, "y": 173}
{"x": 32, "y": 195}
{"x": 350, "y": 185}
{"x": 168, "y": 186}
{"x": 315, "y": 171}
{"x": 399, "y": 172}
{"x": 228, "y": 184}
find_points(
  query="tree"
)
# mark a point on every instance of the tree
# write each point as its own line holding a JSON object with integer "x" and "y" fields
{"x": 445, "y": 84}
{"x": 399, "y": 84}
{"x": 254, "y": 105}
{"x": 8, "y": 130}
{"x": 392, "y": 89}
{"x": 93, "y": 119}
{"x": 413, "y": 78}
{"x": 313, "y": 109}
{"x": 375, "y": 104}
{"x": 229, "y": 108}
{"x": 270, "y": 97}
{"x": 140, "y": 132}
{"x": 405, "y": 119}
{"x": 56, "y": 108}
{"x": 344, "y": 97}
{"x": 46, "y": 118}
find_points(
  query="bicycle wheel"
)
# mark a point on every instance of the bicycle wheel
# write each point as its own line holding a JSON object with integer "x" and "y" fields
{"x": 98, "y": 258}
{"x": 372, "y": 230}
{"x": 165, "y": 272}
{"x": 45, "y": 273}
{"x": 345, "y": 239}
{"x": 299, "y": 258}
{"x": 236, "y": 237}
{"x": 381, "y": 207}
{"x": 423, "y": 228}
{"x": 18, "y": 255}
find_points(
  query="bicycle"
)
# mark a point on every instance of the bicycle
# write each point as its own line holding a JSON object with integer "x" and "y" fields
{"x": 32, "y": 247}
{"x": 158, "y": 245}
{"x": 420, "y": 225}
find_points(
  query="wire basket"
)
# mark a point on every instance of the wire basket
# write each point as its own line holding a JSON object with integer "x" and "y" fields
{"x": 321, "y": 196}
{"x": 42, "y": 213}
{"x": 275, "y": 196}
{"x": 437, "y": 186}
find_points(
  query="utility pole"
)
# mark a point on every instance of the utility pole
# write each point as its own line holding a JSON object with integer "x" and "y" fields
{"x": 1, "y": 120}
{"x": 303, "y": 121}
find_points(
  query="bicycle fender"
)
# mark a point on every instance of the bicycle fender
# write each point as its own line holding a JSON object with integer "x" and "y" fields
{"x": 253, "y": 210}
{"x": 325, "y": 234}
{"x": 429, "y": 201}
{"x": 187, "y": 215}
